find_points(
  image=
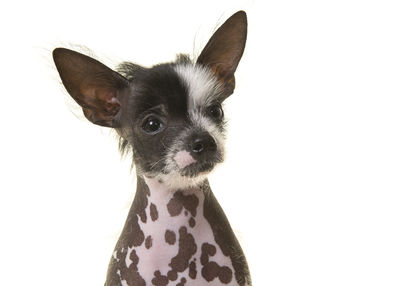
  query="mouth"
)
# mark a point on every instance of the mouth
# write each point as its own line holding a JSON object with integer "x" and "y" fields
{"x": 197, "y": 169}
{"x": 191, "y": 167}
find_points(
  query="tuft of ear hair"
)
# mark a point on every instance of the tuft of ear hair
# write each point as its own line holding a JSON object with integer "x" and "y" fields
{"x": 224, "y": 50}
{"x": 94, "y": 86}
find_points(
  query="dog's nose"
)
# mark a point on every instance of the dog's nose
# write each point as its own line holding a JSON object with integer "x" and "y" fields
{"x": 202, "y": 143}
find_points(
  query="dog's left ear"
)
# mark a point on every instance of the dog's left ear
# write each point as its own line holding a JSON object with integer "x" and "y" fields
{"x": 224, "y": 50}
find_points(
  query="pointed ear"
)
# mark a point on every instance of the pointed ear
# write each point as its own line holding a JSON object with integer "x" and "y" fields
{"x": 224, "y": 50}
{"x": 95, "y": 87}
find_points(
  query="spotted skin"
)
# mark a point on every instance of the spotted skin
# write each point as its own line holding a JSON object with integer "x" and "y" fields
{"x": 170, "y": 237}
{"x": 192, "y": 270}
{"x": 148, "y": 242}
{"x": 153, "y": 212}
{"x": 192, "y": 222}
{"x": 179, "y": 246}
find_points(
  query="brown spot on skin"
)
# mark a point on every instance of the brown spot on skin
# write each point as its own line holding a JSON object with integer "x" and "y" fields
{"x": 148, "y": 242}
{"x": 192, "y": 270}
{"x": 187, "y": 248}
{"x": 225, "y": 274}
{"x": 206, "y": 251}
{"x": 186, "y": 213}
{"x": 131, "y": 274}
{"x": 153, "y": 212}
{"x": 212, "y": 270}
{"x": 174, "y": 207}
{"x": 182, "y": 283}
{"x": 134, "y": 258}
{"x": 180, "y": 201}
{"x": 172, "y": 275}
{"x": 192, "y": 222}
{"x": 170, "y": 237}
{"x": 159, "y": 280}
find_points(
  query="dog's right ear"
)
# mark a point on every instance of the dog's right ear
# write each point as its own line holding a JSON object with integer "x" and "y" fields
{"x": 95, "y": 87}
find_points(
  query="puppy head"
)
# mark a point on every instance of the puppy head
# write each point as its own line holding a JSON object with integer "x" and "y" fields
{"x": 171, "y": 114}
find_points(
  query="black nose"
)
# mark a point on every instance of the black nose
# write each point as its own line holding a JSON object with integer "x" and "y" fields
{"x": 202, "y": 143}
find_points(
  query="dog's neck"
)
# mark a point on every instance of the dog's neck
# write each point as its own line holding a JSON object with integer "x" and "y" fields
{"x": 174, "y": 236}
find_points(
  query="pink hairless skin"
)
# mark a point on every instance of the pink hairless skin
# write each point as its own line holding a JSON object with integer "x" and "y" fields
{"x": 184, "y": 159}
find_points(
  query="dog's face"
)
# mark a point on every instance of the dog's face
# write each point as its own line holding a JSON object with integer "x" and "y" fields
{"x": 170, "y": 115}
{"x": 174, "y": 122}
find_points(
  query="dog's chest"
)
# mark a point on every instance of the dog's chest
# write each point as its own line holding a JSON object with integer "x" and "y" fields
{"x": 177, "y": 245}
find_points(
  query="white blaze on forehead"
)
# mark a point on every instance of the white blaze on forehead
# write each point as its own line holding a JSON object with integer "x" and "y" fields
{"x": 203, "y": 90}
{"x": 202, "y": 85}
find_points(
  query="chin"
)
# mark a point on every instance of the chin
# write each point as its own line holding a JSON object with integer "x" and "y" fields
{"x": 187, "y": 178}
{"x": 195, "y": 170}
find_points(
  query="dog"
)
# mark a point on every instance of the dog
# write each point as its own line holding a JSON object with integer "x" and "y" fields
{"x": 170, "y": 117}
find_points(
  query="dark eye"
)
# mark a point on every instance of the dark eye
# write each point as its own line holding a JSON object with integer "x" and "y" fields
{"x": 152, "y": 125}
{"x": 215, "y": 112}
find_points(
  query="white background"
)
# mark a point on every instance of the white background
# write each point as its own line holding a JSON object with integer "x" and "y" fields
{"x": 311, "y": 183}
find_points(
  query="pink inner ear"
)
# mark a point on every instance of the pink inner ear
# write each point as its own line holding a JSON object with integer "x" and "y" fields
{"x": 100, "y": 105}
{"x": 113, "y": 100}
{"x": 112, "y": 105}
{"x": 105, "y": 99}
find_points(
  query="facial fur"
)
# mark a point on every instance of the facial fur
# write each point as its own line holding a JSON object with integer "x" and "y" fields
{"x": 181, "y": 96}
